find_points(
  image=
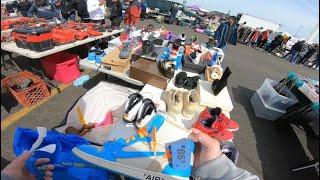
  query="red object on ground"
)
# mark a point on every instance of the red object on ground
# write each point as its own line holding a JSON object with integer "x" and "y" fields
{"x": 28, "y": 96}
{"x": 61, "y": 66}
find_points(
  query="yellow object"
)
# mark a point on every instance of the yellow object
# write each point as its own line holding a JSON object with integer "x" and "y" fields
{"x": 154, "y": 141}
{"x": 81, "y": 117}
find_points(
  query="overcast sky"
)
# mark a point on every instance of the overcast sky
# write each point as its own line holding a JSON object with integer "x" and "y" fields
{"x": 291, "y": 14}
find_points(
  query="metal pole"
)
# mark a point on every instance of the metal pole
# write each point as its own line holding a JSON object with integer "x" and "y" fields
{"x": 313, "y": 34}
{"x": 295, "y": 34}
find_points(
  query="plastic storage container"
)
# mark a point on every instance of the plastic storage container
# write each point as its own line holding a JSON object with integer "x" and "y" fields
{"x": 36, "y": 39}
{"x": 62, "y": 66}
{"x": 262, "y": 110}
{"x": 275, "y": 100}
{"x": 30, "y": 95}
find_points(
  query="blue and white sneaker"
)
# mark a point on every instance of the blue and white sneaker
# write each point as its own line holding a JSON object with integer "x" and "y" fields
{"x": 122, "y": 157}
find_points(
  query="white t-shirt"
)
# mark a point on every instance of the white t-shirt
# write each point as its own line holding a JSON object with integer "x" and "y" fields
{"x": 95, "y": 11}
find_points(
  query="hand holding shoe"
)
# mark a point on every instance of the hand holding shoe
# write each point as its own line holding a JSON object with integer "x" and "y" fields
{"x": 207, "y": 148}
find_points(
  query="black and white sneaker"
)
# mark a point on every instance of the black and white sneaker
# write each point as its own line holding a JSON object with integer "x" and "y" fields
{"x": 132, "y": 106}
{"x": 182, "y": 36}
{"x": 145, "y": 113}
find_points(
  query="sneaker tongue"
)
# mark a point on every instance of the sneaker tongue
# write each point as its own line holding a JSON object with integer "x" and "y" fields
{"x": 209, "y": 122}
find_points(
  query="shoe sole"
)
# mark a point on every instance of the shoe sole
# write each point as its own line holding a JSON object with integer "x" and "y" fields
{"x": 232, "y": 130}
{"x": 123, "y": 169}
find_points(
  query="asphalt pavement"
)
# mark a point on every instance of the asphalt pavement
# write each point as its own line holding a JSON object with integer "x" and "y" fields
{"x": 266, "y": 149}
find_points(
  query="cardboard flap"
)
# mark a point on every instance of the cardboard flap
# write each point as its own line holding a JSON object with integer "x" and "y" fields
{"x": 113, "y": 59}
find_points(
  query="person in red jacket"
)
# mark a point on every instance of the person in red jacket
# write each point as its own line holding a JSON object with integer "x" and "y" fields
{"x": 132, "y": 15}
{"x": 264, "y": 38}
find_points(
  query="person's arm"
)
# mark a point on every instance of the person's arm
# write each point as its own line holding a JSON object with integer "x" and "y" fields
{"x": 218, "y": 32}
{"x": 210, "y": 163}
{"x": 31, "y": 10}
{"x": 223, "y": 168}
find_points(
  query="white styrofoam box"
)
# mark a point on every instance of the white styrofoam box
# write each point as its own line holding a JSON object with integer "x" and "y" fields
{"x": 273, "y": 99}
{"x": 262, "y": 110}
{"x": 154, "y": 93}
{"x": 207, "y": 98}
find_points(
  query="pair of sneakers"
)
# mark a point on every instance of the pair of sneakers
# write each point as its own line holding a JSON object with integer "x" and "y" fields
{"x": 195, "y": 56}
{"x": 139, "y": 110}
{"x": 183, "y": 81}
{"x": 181, "y": 102}
{"x": 216, "y": 124}
{"x": 94, "y": 53}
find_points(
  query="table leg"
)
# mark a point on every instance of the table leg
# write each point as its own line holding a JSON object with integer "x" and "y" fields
{"x": 11, "y": 60}
{"x": 14, "y": 62}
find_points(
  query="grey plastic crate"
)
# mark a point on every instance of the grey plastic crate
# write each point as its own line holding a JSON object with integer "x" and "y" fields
{"x": 264, "y": 111}
{"x": 275, "y": 100}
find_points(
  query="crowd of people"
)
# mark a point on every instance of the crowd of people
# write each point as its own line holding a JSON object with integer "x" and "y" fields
{"x": 301, "y": 53}
{"x": 97, "y": 11}
{"x": 110, "y": 11}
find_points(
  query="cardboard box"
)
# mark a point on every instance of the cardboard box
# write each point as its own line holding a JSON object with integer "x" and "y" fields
{"x": 147, "y": 72}
{"x": 114, "y": 63}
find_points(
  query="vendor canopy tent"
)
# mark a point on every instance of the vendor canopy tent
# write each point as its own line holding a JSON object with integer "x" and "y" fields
{"x": 257, "y": 22}
{"x": 194, "y": 8}
{"x": 204, "y": 10}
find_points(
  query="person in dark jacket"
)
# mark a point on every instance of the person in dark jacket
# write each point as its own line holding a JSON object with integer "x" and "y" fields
{"x": 83, "y": 11}
{"x": 315, "y": 62}
{"x": 23, "y": 7}
{"x": 116, "y": 13}
{"x": 275, "y": 43}
{"x": 143, "y": 6}
{"x": 173, "y": 13}
{"x": 294, "y": 51}
{"x": 304, "y": 60}
{"x": 42, "y": 9}
{"x": 227, "y": 33}
{"x": 68, "y": 9}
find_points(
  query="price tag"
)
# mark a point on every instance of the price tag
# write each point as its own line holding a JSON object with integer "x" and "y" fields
{"x": 181, "y": 154}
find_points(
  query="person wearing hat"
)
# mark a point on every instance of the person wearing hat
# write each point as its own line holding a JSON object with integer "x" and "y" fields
{"x": 227, "y": 33}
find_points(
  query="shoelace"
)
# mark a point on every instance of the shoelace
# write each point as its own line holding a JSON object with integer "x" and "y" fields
{"x": 142, "y": 132}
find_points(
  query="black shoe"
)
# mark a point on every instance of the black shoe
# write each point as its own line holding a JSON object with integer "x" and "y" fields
{"x": 220, "y": 84}
{"x": 180, "y": 78}
{"x": 166, "y": 68}
{"x": 191, "y": 82}
{"x": 132, "y": 106}
{"x": 146, "y": 111}
{"x": 147, "y": 47}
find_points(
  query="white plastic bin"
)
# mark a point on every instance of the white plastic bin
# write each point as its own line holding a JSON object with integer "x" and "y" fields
{"x": 262, "y": 110}
{"x": 275, "y": 100}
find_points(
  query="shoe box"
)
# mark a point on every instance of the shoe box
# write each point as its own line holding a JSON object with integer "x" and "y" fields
{"x": 147, "y": 72}
{"x": 188, "y": 65}
{"x": 114, "y": 63}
